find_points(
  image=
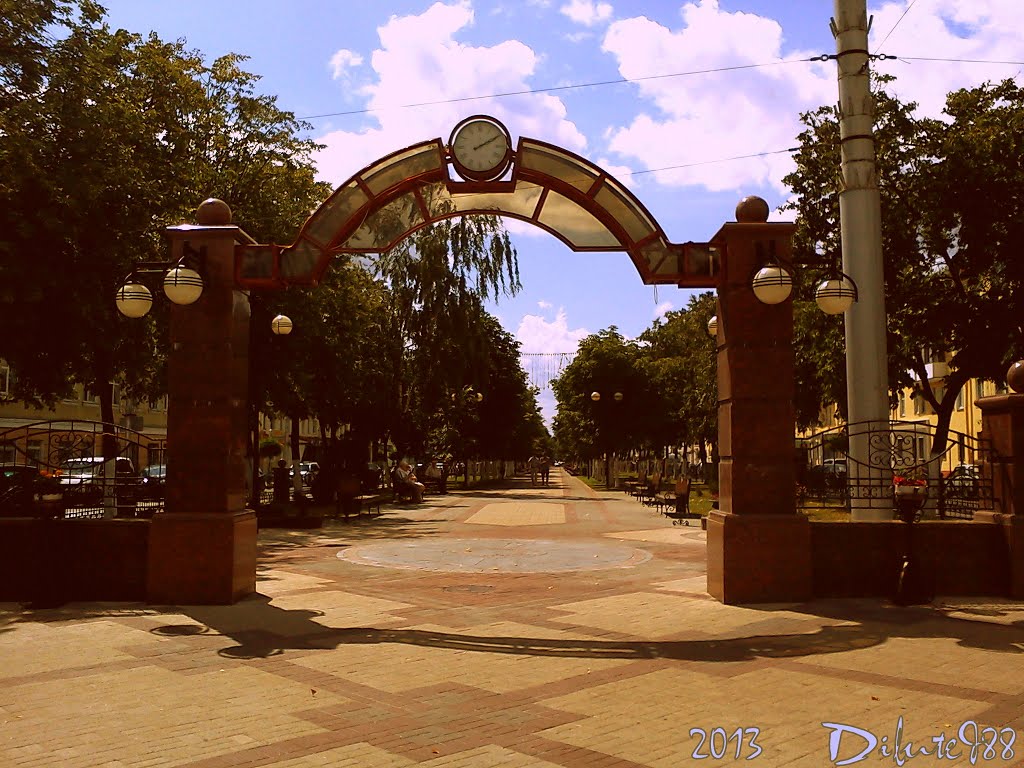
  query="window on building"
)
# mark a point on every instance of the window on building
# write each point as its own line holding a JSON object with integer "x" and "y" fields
{"x": 34, "y": 450}
{"x": 960, "y": 399}
{"x": 1001, "y": 388}
{"x": 903, "y": 404}
{"x": 5, "y": 379}
{"x": 8, "y": 453}
{"x": 979, "y": 388}
{"x": 920, "y": 405}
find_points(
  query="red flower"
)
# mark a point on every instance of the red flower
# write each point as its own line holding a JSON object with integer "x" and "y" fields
{"x": 901, "y": 480}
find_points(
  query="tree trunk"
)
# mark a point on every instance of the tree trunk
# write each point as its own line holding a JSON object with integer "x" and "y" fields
{"x": 300, "y": 496}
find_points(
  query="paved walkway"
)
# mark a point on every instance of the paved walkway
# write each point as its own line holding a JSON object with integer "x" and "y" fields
{"x": 523, "y": 627}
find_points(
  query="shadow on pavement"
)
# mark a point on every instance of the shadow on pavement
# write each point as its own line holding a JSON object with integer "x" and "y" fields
{"x": 281, "y": 629}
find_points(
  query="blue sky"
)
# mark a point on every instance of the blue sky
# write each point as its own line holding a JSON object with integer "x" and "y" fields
{"x": 371, "y": 58}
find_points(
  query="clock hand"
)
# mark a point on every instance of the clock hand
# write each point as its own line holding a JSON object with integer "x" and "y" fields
{"x": 490, "y": 140}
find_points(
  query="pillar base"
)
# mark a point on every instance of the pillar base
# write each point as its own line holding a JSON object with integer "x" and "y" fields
{"x": 759, "y": 558}
{"x": 201, "y": 559}
{"x": 1013, "y": 531}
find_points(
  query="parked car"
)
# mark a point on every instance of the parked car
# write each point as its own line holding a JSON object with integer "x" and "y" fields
{"x": 963, "y": 481}
{"x": 82, "y": 480}
{"x": 308, "y": 471}
{"x": 18, "y": 486}
{"x": 835, "y": 467}
{"x": 153, "y": 480}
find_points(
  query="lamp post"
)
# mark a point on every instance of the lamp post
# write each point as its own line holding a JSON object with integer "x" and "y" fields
{"x": 183, "y": 285}
{"x": 861, "y": 233}
{"x": 595, "y": 397}
{"x": 462, "y": 400}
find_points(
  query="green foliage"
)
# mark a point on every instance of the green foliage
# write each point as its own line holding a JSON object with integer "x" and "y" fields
{"x": 951, "y": 225}
{"x": 106, "y": 137}
{"x": 605, "y": 363}
{"x": 680, "y": 360}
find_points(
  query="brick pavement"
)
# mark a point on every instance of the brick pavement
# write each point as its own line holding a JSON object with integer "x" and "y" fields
{"x": 553, "y": 627}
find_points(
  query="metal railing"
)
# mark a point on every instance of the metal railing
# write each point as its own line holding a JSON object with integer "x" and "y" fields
{"x": 75, "y": 469}
{"x": 958, "y": 481}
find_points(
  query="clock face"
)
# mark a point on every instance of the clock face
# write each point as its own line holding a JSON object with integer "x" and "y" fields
{"x": 480, "y": 147}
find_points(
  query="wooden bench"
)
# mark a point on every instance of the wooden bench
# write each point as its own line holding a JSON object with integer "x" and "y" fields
{"x": 677, "y": 501}
{"x": 649, "y": 494}
{"x": 373, "y": 499}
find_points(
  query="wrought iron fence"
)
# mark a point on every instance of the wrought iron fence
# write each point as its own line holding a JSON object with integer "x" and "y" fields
{"x": 957, "y": 481}
{"x": 79, "y": 469}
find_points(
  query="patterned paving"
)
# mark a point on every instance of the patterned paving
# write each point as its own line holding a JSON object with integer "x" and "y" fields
{"x": 446, "y": 658}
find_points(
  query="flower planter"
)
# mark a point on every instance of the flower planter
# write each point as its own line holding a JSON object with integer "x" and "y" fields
{"x": 909, "y": 499}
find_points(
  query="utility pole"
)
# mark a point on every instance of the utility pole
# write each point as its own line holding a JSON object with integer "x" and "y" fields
{"x": 860, "y": 217}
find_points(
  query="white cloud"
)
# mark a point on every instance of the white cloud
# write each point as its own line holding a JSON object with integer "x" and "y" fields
{"x": 586, "y": 12}
{"x": 987, "y": 30}
{"x": 544, "y": 304}
{"x": 342, "y": 61}
{"x": 714, "y": 115}
{"x": 662, "y": 309}
{"x": 691, "y": 120}
{"x": 422, "y": 59}
{"x": 538, "y": 335}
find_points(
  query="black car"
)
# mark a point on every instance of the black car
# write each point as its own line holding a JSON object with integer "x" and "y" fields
{"x": 153, "y": 481}
{"x": 19, "y": 484}
{"x": 963, "y": 482}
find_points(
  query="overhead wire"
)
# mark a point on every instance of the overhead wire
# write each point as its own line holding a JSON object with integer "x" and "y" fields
{"x": 627, "y": 80}
{"x": 905, "y": 12}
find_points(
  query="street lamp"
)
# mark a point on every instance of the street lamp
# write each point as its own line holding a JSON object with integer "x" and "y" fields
{"x": 596, "y": 398}
{"x": 281, "y": 325}
{"x": 182, "y": 285}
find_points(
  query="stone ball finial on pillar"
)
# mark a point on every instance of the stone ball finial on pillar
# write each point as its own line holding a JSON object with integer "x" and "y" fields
{"x": 1015, "y": 377}
{"x": 752, "y": 210}
{"x": 213, "y": 213}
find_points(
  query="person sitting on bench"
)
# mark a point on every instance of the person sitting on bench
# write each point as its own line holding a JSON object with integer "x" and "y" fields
{"x": 408, "y": 485}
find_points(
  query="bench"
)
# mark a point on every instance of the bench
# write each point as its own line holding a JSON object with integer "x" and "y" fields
{"x": 649, "y": 494}
{"x": 373, "y": 499}
{"x": 677, "y": 501}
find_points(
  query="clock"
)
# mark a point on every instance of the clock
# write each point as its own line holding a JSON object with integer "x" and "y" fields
{"x": 481, "y": 148}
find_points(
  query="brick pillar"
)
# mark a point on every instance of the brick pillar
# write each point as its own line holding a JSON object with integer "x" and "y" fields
{"x": 1002, "y": 422}
{"x": 759, "y": 548}
{"x": 202, "y": 548}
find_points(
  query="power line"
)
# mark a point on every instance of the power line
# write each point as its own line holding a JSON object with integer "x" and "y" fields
{"x": 625, "y": 80}
{"x": 905, "y": 12}
{"x": 553, "y": 88}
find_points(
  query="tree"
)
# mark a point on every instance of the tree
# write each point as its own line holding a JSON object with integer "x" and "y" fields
{"x": 107, "y": 138}
{"x": 680, "y": 360}
{"x": 951, "y": 201}
{"x": 438, "y": 278}
{"x": 605, "y": 363}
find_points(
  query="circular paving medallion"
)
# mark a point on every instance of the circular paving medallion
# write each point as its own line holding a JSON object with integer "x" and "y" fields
{"x": 495, "y": 555}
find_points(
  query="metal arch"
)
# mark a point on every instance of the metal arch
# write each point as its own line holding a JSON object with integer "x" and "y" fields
{"x": 413, "y": 187}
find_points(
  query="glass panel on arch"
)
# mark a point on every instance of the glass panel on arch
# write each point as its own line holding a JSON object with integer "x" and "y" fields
{"x": 577, "y": 225}
{"x": 520, "y": 202}
{"x": 386, "y": 226}
{"x": 336, "y": 210}
{"x": 413, "y": 162}
{"x": 300, "y": 260}
{"x": 567, "y": 168}
{"x": 614, "y": 198}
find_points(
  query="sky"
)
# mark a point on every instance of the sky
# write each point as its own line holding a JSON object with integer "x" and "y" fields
{"x": 689, "y": 142}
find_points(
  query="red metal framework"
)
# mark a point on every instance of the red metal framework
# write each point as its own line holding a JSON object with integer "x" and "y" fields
{"x": 550, "y": 187}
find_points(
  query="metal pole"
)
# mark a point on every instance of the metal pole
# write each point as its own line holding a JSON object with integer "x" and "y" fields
{"x": 861, "y": 232}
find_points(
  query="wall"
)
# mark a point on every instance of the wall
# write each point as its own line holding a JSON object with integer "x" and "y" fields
{"x": 864, "y": 559}
{"x": 54, "y": 561}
